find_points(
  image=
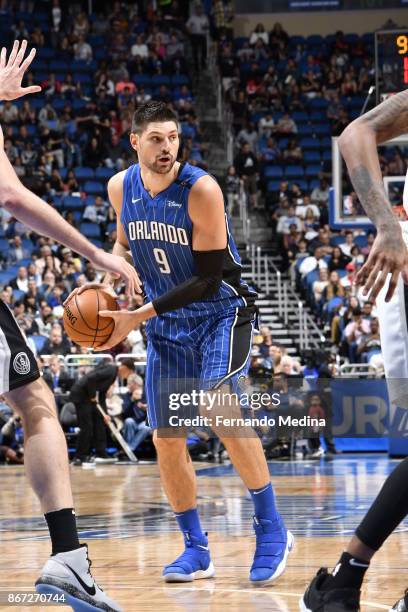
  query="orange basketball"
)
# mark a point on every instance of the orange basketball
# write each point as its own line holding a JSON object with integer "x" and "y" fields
{"x": 82, "y": 321}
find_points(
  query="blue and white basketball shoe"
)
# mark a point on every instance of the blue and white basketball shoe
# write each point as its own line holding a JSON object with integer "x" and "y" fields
{"x": 194, "y": 563}
{"x": 273, "y": 545}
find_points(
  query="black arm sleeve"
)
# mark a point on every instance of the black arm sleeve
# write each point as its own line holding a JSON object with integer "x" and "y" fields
{"x": 205, "y": 283}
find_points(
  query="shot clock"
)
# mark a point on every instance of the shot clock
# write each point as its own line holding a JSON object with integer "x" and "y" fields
{"x": 391, "y": 62}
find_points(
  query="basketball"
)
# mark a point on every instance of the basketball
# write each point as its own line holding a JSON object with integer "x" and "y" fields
{"x": 82, "y": 321}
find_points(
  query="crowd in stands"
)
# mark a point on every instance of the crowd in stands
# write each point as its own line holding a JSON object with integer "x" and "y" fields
{"x": 288, "y": 96}
{"x": 68, "y": 141}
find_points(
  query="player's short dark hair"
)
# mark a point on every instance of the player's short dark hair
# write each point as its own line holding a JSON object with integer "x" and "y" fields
{"x": 151, "y": 111}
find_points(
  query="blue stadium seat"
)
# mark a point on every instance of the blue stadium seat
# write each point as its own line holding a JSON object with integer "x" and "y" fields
{"x": 322, "y": 129}
{"x": 83, "y": 78}
{"x": 18, "y": 294}
{"x": 94, "y": 188}
{"x": 84, "y": 173}
{"x": 57, "y": 201}
{"x": 314, "y": 39}
{"x": 160, "y": 79}
{"x": 351, "y": 38}
{"x": 316, "y": 103}
{"x": 58, "y": 66}
{"x": 180, "y": 79}
{"x": 273, "y": 171}
{"x": 357, "y": 102}
{"x": 311, "y": 156}
{"x": 282, "y": 143}
{"x": 104, "y": 173}
{"x": 361, "y": 241}
{"x": 317, "y": 116}
{"x": 4, "y": 245}
{"x": 99, "y": 54}
{"x": 27, "y": 244}
{"x": 82, "y": 66}
{"x": 309, "y": 143}
{"x": 272, "y": 185}
{"x": 336, "y": 240}
{"x": 239, "y": 41}
{"x": 294, "y": 171}
{"x": 89, "y": 201}
{"x": 300, "y": 116}
{"x": 96, "y": 40}
{"x": 313, "y": 170}
{"x": 73, "y": 203}
{"x": 327, "y": 155}
{"x": 25, "y": 262}
{"x": 46, "y": 53}
{"x": 90, "y": 230}
{"x": 142, "y": 79}
{"x": 326, "y": 142}
{"x": 6, "y": 277}
{"x": 77, "y": 104}
{"x": 40, "y": 76}
{"x": 40, "y": 64}
{"x": 305, "y": 129}
{"x": 39, "y": 342}
{"x": 63, "y": 173}
{"x": 111, "y": 227}
{"x": 303, "y": 185}
{"x": 37, "y": 103}
{"x": 297, "y": 40}
{"x": 314, "y": 183}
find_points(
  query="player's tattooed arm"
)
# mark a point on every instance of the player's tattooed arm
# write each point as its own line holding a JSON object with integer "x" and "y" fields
{"x": 358, "y": 145}
{"x": 390, "y": 118}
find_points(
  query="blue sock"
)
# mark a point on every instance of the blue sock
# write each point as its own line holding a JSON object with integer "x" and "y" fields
{"x": 190, "y": 521}
{"x": 264, "y": 503}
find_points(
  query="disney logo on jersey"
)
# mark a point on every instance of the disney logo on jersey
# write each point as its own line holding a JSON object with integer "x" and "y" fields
{"x": 173, "y": 204}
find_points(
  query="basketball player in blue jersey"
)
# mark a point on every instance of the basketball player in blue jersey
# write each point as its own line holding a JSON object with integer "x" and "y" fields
{"x": 200, "y": 316}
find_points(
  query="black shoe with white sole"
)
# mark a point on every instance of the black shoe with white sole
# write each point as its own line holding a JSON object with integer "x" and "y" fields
{"x": 316, "y": 599}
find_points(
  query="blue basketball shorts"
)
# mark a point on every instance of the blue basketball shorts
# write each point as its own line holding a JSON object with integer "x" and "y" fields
{"x": 201, "y": 353}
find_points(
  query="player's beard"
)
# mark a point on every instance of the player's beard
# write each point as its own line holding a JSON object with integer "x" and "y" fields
{"x": 162, "y": 167}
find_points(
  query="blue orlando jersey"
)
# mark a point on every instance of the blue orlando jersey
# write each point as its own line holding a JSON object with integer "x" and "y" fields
{"x": 159, "y": 231}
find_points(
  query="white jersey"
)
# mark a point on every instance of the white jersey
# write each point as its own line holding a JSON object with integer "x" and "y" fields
{"x": 393, "y": 319}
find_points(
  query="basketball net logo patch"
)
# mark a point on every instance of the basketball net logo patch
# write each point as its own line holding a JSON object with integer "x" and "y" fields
{"x": 21, "y": 363}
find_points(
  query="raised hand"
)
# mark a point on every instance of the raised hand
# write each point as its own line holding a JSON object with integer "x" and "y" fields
{"x": 13, "y": 70}
{"x": 388, "y": 259}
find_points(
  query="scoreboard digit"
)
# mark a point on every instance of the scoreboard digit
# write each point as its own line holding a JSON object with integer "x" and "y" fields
{"x": 391, "y": 62}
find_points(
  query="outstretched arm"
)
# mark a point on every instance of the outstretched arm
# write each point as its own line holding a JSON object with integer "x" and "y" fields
{"x": 358, "y": 145}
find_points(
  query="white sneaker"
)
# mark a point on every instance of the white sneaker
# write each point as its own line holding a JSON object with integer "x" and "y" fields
{"x": 69, "y": 574}
{"x": 318, "y": 454}
{"x": 106, "y": 460}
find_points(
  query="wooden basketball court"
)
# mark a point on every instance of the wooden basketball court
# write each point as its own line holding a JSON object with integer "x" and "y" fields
{"x": 124, "y": 517}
